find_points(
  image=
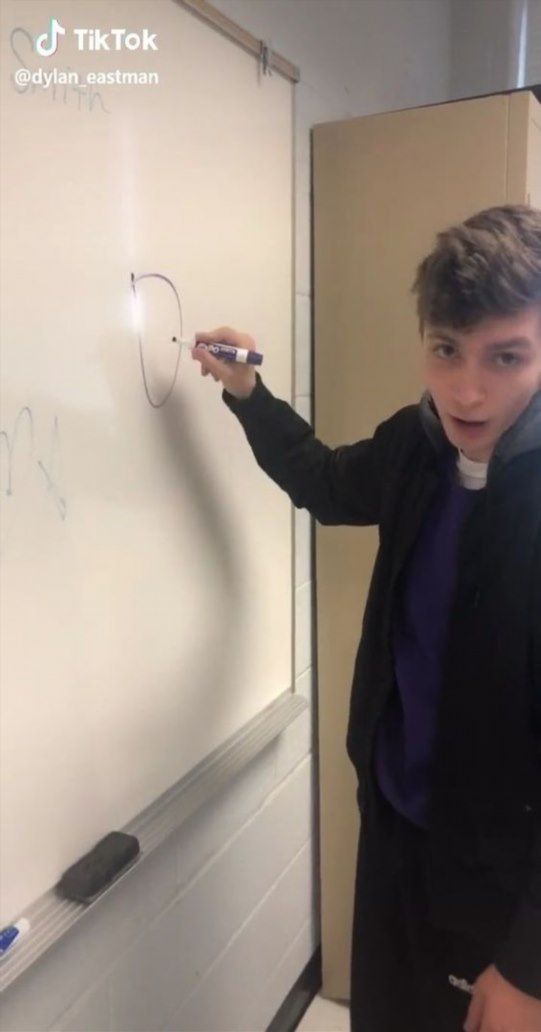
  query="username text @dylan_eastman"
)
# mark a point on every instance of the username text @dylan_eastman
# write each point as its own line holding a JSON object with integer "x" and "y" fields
{"x": 58, "y": 77}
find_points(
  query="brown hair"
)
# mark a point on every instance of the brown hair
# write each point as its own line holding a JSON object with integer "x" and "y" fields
{"x": 488, "y": 265}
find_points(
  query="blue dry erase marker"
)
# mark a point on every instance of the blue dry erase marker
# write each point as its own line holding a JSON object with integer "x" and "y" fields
{"x": 227, "y": 351}
{"x": 10, "y": 934}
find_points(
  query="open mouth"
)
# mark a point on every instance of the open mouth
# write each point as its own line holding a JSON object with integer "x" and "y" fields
{"x": 469, "y": 425}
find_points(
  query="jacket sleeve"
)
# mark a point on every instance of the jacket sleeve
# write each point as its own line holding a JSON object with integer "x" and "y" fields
{"x": 340, "y": 485}
{"x": 519, "y": 957}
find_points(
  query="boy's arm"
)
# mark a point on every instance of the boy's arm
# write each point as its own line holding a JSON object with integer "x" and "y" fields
{"x": 519, "y": 957}
{"x": 337, "y": 485}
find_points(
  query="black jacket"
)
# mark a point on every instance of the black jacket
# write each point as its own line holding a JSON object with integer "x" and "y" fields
{"x": 484, "y": 834}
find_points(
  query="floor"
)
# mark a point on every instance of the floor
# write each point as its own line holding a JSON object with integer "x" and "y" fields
{"x": 324, "y": 1016}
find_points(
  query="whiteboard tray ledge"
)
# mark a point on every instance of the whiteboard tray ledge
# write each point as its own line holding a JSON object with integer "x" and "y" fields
{"x": 51, "y": 917}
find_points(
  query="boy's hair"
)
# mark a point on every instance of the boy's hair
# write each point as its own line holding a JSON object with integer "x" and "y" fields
{"x": 488, "y": 265}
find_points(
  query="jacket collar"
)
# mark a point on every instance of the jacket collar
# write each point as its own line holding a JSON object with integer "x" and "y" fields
{"x": 523, "y": 435}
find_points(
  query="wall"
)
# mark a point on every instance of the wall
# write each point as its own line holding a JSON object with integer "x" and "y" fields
{"x": 495, "y": 45}
{"x": 211, "y": 932}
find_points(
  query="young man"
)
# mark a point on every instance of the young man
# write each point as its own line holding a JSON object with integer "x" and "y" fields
{"x": 445, "y": 715}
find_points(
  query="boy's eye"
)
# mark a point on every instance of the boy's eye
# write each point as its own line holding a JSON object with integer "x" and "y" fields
{"x": 438, "y": 348}
{"x": 509, "y": 354}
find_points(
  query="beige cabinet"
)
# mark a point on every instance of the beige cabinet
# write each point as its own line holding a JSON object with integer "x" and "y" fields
{"x": 383, "y": 186}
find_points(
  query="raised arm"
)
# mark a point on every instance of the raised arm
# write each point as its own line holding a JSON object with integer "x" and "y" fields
{"x": 337, "y": 485}
{"x": 340, "y": 485}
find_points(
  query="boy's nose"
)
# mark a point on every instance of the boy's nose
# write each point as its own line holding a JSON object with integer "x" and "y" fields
{"x": 467, "y": 392}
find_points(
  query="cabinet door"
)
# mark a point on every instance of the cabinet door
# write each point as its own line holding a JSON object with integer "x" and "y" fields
{"x": 533, "y": 157}
{"x": 524, "y": 150}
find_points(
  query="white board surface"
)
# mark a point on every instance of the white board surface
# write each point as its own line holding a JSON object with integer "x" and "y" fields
{"x": 146, "y": 558}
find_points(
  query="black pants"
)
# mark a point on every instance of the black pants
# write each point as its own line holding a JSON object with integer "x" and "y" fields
{"x": 404, "y": 971}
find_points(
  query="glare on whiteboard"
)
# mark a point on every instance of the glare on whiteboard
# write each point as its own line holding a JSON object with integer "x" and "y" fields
{"x": 137, "y": 312}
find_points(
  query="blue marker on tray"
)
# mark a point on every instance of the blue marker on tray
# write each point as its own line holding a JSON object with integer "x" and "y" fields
{"x": 12, "y": 933}
{"x": 227, "y": 351}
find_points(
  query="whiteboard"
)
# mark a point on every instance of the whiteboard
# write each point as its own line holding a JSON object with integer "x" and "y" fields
{"x": 146, "y": 558}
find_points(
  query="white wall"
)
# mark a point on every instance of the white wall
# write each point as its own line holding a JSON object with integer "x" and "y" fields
{"x": 213, "y": 929}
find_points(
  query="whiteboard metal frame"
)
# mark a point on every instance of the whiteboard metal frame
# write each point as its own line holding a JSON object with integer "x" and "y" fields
{"x": 269, "y": 59}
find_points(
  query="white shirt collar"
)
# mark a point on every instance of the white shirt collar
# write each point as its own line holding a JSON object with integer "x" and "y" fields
{"x": 470, "y": 473}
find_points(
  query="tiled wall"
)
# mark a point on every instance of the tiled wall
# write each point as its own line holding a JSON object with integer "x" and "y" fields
{"x": 211, "y": 932}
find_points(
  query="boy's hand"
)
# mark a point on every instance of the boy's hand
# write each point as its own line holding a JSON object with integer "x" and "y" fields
{"x": 498, "y": 1006}
{"x": 237, "y": 377}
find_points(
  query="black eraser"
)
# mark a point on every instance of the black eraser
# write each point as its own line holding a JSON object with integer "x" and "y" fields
{"x": 96, "y": 870}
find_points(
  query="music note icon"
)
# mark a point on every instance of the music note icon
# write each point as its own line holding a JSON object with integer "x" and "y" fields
{"x": 46, "y": 48}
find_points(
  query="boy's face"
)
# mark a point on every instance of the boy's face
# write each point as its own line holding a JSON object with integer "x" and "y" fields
{"x": 470, "y": 378}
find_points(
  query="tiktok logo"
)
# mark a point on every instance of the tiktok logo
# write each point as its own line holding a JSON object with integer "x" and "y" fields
{"x": 46, "y": 47}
